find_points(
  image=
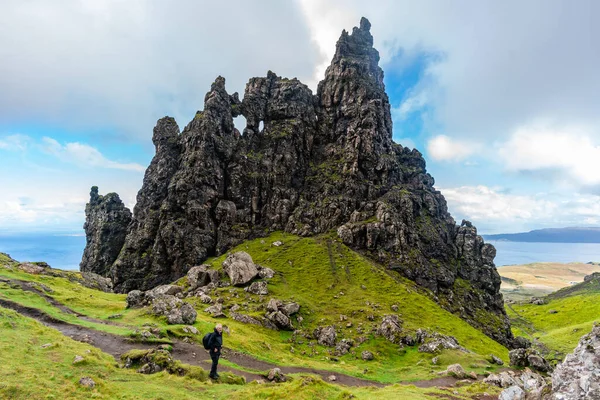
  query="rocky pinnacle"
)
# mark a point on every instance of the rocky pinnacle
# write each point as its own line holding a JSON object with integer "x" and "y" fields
{"x": 305, "y": 164}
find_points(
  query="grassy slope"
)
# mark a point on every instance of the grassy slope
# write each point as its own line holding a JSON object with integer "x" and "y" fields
{"x": 31, "y": 372}
{"x": 578, "y": 307}
{"x": 306, "y": 275}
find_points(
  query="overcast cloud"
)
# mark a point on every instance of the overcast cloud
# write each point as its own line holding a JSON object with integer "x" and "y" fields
{"x": 510, "y": 87}
{"x": 121, "y": 65}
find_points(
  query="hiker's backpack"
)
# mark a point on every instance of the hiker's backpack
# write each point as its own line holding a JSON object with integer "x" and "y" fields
{"x": 206, "y": 340}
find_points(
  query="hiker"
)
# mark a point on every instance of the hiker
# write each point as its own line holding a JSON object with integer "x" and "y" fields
{"x": 215, "y": 343}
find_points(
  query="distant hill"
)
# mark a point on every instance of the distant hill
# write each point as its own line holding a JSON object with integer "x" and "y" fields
{"x": 552, "y": 235}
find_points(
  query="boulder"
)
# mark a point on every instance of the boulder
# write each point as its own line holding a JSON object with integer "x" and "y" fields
{"x": 199, "y": 276}
{"x": 281, "y": 320}
{"x": 88, "y": 382}
{"x": 240, "y": 268}
{"x": 456, "y": 370}
{"x": 135, "y": 299}
{"x": 528, "y": 358}
{"x": 343, "y": 347}
{"x": 191, "y": 329}
{"x": 176, "y": 311}
{"x": 390, "y": 328}
{"x": 216, "y": 310}
{"x": 206, "y": 299}
{"x": 326, "y": 336}
{"x": 512, "y": 393}
{"x": 170, "y": 290}
{"x": 78, "y": 360}
{"x": 367, "y": 355}
{"x": 259, "y": 287}
{"x": 275, "y": 375}
{"x": 266, "y": 273}
{"x": 246, "y": 319}
{"x": 274, "y": 305}
{"x": 290, "y": 309}
{"x": 436, "y": 342}
{"x": 496, "y": 360}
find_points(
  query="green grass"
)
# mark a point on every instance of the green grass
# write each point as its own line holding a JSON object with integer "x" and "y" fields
{"x": 559, "y": 332}
{"x": 29, "y": 371}
{"x": 350, "y": 285}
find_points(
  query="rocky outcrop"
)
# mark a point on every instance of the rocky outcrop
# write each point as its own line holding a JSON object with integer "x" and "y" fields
{"x": 578, "y": 376}
{"x": 306, "y": 164}
{"x": 524, "y": 385}
{"x": 202, "y": 275}
{"x": 529, "y": 358}
{"x": 176, "y": 311}
{"x": 390, "y": 328}
{"x": 326, "y": 336}
{"x": 240, "y": 268}
{"x": 106, "y": 223}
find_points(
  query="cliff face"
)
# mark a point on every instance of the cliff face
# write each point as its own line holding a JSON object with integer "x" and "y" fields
{"x": 306, "y": 164}
{"x": 107, "y": 221}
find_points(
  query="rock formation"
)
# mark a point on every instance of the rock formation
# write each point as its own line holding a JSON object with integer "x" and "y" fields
{"x": 106, "y": 223}
{"x": 578, "y": 376}
{"x": 305, "y": 164}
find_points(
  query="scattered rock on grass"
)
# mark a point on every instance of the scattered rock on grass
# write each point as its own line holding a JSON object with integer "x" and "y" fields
{"x": 135, "y": 299}
{"x": 266, "y": 273}
{"x": 259, "y": 287}
{"x": 390, "y": 328}
{"x": 78, "y": 360}
{"x": 512, "y": 393}
{"x": 191, "y": 329}
{"x": 529, "y": 358}
{"x": 240, "y": 268}
{"x": 275, "y": 375}
{"x": 176, "y": 311}
{"x": 496, "y": 360}
{"x": 87, "y": 382}
{"x": 367, "y": 355}
{"x": 326, "y": 336}
{"x": 215, "y": 310}
{"x": 456, "y": 370}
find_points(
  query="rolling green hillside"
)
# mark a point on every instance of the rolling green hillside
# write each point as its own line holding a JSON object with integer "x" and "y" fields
{"x": 332, "y": 284}
{"x": 558, "y": 324}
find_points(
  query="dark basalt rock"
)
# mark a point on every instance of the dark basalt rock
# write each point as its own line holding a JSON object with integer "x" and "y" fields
{"x": 106, "y": 223}
{"x": 305, "y": 164}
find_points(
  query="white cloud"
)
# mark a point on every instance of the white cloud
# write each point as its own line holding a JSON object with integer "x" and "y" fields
{"x": 15, "y": 142}
{"x": 85, "y": 155}
{"x": 415, "y": 102}
{"x": 123, "y": 64}
{"x": 504, "y": 63}
{"x": 443, "y": 148}
{"x": 570, "y": 153}
{"x": 494, "y": 211}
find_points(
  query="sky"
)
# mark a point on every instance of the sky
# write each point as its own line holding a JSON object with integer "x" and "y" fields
{"x": 501, "y": 98}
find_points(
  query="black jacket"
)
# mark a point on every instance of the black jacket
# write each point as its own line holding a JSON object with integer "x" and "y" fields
{"x": 216, "y": 341}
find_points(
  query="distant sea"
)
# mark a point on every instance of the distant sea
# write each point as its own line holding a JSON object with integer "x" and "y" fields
{"x": 516, "y": 253}
{"x": 61, "y": 251}
{"x": 64, "y": 251}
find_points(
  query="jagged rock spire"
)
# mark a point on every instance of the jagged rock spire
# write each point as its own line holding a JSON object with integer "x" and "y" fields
{"x": 306, "y": 164}
{"x": 107, "y": 221}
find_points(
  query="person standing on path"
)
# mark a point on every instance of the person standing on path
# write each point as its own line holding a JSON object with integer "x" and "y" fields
{"x": 215, "y": 344}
